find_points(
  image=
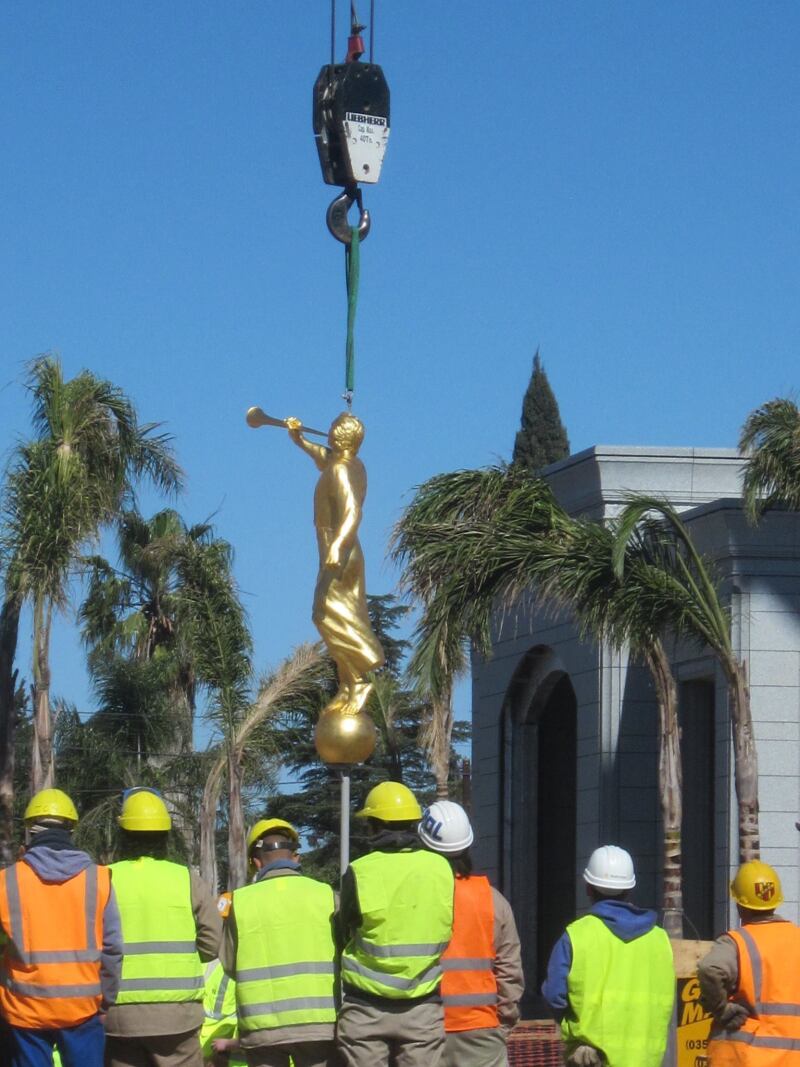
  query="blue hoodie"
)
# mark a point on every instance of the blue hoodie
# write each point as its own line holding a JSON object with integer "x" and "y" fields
{"x": 58, "y": 864}
{"x": 623, "y": 919}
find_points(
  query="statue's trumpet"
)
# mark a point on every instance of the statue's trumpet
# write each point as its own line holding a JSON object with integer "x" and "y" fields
{"x": 256, "y": 417}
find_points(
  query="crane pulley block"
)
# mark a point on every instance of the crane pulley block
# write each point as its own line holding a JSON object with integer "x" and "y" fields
{"x": 351, "y": 122}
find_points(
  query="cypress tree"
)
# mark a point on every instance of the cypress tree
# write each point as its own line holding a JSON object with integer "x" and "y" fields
{"x": 541, "y": 438}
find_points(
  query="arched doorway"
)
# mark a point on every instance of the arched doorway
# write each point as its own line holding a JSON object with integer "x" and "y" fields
{"x": 541, "y": 808}
{"x": 556, "y": 766}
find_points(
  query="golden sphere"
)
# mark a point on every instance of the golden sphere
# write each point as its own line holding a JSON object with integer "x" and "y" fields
{"x": 342, "y": 738}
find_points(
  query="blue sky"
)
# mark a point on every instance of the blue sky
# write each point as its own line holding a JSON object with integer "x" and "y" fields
{"x": 615, "y": 183}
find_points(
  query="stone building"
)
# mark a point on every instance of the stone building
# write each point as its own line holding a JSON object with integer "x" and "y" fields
{"x": 565, "y": 731}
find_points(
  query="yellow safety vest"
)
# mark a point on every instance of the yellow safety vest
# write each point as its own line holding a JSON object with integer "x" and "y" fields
{"x": 406, "y": 904}
{"x": 285, "y": 954}
{"x": 161, "y": 963}
{"x": 620, "y": 994}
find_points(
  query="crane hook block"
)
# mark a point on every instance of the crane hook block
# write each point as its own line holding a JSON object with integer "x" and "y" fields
{"x": 351, "y": 122}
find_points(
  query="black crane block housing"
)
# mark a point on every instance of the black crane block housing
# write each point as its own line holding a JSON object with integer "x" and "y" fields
{"x": 351, "y": 122}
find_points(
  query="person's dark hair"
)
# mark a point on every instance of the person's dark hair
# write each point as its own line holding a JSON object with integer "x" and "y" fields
{"x": 461, "y": 864}
{"x": 136, "y": 843}
{"x": 379, "y": 826}
{"x": 598, "y": 894}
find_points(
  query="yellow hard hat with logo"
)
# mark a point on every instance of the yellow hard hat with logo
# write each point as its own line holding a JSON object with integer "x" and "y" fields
{"x": 50, "y": 804}
{"x": 391, "y": 802}
{"x": 144, "y": 810}
{"x": 224, "y": 901}
{"x": 757, "y": 887}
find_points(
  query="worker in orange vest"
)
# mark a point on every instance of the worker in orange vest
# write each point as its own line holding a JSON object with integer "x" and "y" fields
{"x": 750, "y": 980}
{"x": 62, "y": 952}
{"x": 482, "y": 981}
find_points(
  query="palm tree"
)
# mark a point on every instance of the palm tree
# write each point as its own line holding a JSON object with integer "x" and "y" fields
{"x": 222, "y": 645}
{"x": 62, "y": 488}
{"x": 137, "y": 610}
{"x": 771, "y": 435}
{"x": 445, "y": 542}
{"x": 9, "y": 700}
{"x": 577, "y": 572}
{"x": 679, "y": 588}
{"x": 477, "y": 542}
{"x": 295, "y": 683}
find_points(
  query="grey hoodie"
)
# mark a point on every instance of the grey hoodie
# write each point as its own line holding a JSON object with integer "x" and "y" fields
{"x": 57, "y": 865}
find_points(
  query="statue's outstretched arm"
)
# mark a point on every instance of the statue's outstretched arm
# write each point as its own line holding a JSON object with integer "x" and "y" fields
{"x": 319, "y": 453}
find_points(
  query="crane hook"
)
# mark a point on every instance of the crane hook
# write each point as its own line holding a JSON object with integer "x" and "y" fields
{"x": 336, "y": 216}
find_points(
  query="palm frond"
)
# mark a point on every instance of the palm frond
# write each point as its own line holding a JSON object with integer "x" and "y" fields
{"x": 771, "y": 436}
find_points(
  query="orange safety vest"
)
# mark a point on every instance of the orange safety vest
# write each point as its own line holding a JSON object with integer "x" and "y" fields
{"x": 769, "y": 985}
{"x": 51, "y": 961}
{"x": 469, "y": 986}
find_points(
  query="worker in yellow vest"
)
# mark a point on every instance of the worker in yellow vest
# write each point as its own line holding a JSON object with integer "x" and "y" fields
{"x": 750, "y": 980}
{"x": 61, "y": 943}
{"x": 611, "y": 980}
{"x": 482, "y": 981}
{"x": 396, "y": 920}
{"x": 170, "y": 927}
{"x": 279, "y": 946}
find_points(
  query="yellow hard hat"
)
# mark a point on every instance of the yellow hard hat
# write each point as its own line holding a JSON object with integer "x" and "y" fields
{"x": 144, "y": 810}
{"x": 757, "y": 887}
{"x": 266, "y": 826}
{"x": 390, "y": 802}
{"x": 50, "y": 804}
{"x": 224, "y": 901}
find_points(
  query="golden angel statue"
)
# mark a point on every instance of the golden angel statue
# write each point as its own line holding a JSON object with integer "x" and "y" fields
{"x": 345, "y": 733}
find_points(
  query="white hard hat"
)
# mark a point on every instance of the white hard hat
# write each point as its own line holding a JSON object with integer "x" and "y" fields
{"x": 445, "y": 827}
{"x": 610, "y": 868}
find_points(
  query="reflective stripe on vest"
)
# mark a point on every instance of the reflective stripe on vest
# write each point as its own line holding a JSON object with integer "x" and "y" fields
{"x": 406, "y": 904}
{"x": 620, "y": 994}
{"x": 770, "y": 984}
{"x": 285, "y": 953}
{"x": 219, "y": 997}
{"x": 469, "y": 986}
{"x": 219, "y": 1010}
{"x": 51, "y": 962}
{"x": 160, "y": 963}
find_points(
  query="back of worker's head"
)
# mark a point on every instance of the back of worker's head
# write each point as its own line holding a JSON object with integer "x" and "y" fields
{"x": 49, "y": 809}
{"x": 445, "y": 828}
{"x": 391, "y": 806}
{"x": 756, "y": 888}
{"x": 609, "y": 873}
{"x": 145, "y": 823}
{"x": 269, "y": 840}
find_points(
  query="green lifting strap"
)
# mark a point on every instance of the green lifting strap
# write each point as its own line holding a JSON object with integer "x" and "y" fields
{"x": 352, "y": 269}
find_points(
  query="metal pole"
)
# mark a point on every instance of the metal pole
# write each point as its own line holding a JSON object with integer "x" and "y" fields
{"x": 344, "y": 822}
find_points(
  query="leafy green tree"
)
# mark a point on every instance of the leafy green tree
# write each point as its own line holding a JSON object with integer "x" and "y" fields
{"x": 541, "y": 438}
{"x": 62, "y": 487}
{"x": 771, "y": 437}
